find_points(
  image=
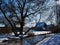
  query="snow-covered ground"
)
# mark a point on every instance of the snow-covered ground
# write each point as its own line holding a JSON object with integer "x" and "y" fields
{"x": 52, "y": 40}
{"x": 3, "y": 37}
{"x": 49, "y": 39}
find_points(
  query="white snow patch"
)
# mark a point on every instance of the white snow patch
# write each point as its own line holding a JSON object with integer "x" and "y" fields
{"x": 40, "y": 32}
{"x": 1, "y": 39}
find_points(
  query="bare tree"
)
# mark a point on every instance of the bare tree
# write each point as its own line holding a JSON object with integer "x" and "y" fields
{"x": 21, "y": 9}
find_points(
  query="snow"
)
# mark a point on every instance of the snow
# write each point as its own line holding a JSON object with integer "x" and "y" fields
{"x": 34, "y": 40}
{"x": 52, "y": 40}
{"x": 40, "y": 32}
{"x": 1, "y": 39}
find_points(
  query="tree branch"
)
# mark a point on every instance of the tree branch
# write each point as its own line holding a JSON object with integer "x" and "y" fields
{"x": 7, "y": 19}
{"x": 32, "y": 27}
{"x": 12, "y": 10}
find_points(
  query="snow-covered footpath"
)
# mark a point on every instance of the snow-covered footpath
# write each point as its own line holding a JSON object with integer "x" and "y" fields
{"x": 52, "y": 40}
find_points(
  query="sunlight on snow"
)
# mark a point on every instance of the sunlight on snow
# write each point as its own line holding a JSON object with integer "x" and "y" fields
{"x": 40, "y": 32}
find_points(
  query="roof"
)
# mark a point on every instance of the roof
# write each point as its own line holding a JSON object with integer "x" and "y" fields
{"x": 41, "y": 24}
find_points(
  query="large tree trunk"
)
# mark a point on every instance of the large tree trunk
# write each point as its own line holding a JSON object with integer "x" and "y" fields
{"x": 22, "y": 24}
